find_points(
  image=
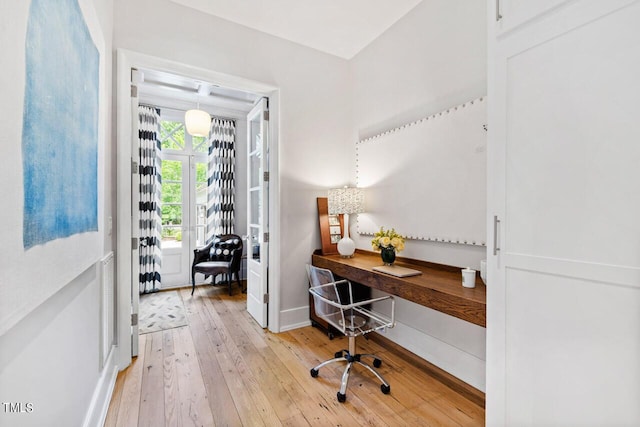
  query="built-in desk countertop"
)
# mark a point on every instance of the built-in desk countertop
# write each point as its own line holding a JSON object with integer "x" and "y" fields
{"x": 438, "y": 287}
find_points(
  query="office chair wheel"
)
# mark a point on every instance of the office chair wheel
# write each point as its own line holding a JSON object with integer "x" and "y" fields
{"x": 386, "y": 389}
{"x": 377, "y": 363}
{"x": 341, "y": 397}
{"x": 313, "y": 372}
{"x": 330, "y": 335}
{"x": 338, "y": 354}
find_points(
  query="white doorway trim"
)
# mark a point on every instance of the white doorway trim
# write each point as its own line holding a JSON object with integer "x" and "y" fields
{"x": 126, "y": 60}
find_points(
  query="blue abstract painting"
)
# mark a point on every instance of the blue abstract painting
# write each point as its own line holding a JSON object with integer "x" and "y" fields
{"x": 60, "y": 124}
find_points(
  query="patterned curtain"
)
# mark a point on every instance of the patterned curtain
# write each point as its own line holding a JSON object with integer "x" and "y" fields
{"x": 221, "y": 177}
{"x": 150, "y": 213}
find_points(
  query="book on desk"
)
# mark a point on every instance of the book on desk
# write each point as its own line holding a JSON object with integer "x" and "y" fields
{"x": 397, "y": 271}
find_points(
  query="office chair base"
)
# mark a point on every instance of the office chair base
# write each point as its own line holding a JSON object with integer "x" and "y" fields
{"x": 345, "y": 356}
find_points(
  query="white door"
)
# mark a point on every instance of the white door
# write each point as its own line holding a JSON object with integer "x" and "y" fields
{"x": 184, "y": 201}
{"x": 563, "y": 293}
{"x": 135, "y": 230}
{"x": 257, "y": 215}
{"x": 175, "y": 220}
{"x": 184, "y": 198}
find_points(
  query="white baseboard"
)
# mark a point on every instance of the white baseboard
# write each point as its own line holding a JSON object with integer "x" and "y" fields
{"x": 294, "y": 318}
{"x": 97, "y": 412}
{"x": 468, "y": 367}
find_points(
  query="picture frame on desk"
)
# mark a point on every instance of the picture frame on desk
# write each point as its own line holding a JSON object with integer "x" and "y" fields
{"x": 331, "y": 227}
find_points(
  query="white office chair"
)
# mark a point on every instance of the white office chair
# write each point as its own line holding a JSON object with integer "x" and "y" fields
{"x": 333, "y": 302}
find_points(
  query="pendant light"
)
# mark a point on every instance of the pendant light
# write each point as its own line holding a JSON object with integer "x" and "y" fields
{"x": 198, "y": 122}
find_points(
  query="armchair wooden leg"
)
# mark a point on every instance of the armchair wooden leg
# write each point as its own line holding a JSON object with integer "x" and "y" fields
{"x": 239, "y": 282}
{"x": 193, "y": 281}
{"x": 229, "y": 283}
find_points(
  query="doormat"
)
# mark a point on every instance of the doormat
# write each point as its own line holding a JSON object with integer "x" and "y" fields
{"x": 160, "y": 311}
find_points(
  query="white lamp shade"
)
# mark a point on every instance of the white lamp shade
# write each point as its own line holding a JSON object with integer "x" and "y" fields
{"x": 345, "y": 200}
{"x": 198, "y": 122}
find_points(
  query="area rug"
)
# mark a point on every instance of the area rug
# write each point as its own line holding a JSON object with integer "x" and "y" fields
{"x": 160, "y": 311}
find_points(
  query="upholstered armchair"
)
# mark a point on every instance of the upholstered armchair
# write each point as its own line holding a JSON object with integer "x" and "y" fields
{"x": 222, "y": 256}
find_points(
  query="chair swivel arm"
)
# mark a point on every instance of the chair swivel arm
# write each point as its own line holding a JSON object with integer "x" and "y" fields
{"x": 357, "y": 304}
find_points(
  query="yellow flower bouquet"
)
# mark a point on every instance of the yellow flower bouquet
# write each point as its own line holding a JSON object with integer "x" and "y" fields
{"x": 388, "y": 242}
{"x": 387, "y": 239}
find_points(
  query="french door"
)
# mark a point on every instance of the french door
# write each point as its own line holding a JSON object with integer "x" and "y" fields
{"x": 258, "y": 212}
{"x": 184, "y": 201}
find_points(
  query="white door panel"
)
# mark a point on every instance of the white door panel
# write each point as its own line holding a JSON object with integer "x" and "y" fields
{"x": 258, "y": 212}
{"x": 563, "y": 301}
{"x": 514, "y": 13}
{"x": 184, "y": 198}
{"x": 561, "y": 362}
{"x": 176, "y": 200}
{"x": 135, "y": 230}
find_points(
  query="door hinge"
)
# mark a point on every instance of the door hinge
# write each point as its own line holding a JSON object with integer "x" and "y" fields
{"x": 266, "y": 237}
{"x": 265, "y": 115}
{"x": 134, "y": 243}
{"x": 134, "y": 91}
{"x": 265, "y": 299}
{"x": 266, "y": 176}
{"x": 134, "y": 167}
{"x": 134, "y": 319}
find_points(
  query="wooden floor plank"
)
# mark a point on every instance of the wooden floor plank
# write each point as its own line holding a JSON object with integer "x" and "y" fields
{"x": 260, "y": 403}
{"x": 194, "y": 405}
{"x": 224, "y": 369}
{"x": 318, "y": 407}
{"x": 116, "y": 397}
{"x": 132, "y": 390}
{"x": 152, "y": 392}
{"x": 204, "y": 335}
{"x": 171, "y": 396}
{"x": 270, "y": 373}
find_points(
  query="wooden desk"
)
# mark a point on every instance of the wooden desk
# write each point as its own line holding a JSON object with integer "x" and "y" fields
{"x": 438, "y": 287}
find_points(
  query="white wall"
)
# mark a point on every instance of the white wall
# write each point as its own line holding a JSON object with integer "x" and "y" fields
{"x": 432, "y": 59}
{"x": 51, "y": 357}
{"x": 315, "y": 117}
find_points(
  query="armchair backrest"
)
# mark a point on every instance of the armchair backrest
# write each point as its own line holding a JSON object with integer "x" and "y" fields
{"x": 227, "y": 247}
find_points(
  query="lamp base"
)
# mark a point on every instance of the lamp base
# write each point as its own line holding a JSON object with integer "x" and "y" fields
{"x": 346, "y": 247}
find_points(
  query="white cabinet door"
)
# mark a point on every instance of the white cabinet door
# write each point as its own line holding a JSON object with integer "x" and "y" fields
{"x": 563, "y": 300}
{"x": 510, "y": 14}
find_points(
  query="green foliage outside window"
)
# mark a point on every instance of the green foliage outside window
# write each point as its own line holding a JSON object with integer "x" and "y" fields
{"x": 171, "y": 135}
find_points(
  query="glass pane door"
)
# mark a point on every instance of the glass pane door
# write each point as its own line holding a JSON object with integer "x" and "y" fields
{"x": 175, "y": 210}
{"x": 257, "y": 215}
{"x": 201, "y": 203}
{"x": 172, "y": 206}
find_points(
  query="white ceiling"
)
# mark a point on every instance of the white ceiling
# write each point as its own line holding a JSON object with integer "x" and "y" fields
{"x": 339, "y": 27}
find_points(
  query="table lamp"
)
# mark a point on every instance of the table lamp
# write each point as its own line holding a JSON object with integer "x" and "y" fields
{"x": 345, "y": 201}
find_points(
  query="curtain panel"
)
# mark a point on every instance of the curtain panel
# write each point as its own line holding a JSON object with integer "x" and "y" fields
{"x": 221, "y": 178}
{"x": 150, "y": 214}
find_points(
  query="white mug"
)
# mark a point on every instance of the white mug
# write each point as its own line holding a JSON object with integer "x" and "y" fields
{"x": 468, "y": 278}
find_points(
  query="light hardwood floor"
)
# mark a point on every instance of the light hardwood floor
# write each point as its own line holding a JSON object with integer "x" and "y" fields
{"x": 224, "y": 370}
